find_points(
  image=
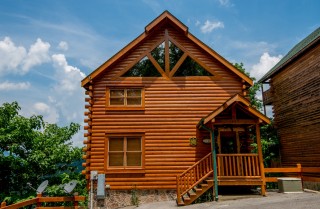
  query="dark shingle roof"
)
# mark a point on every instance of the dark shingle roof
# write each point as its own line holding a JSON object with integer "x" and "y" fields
{"x": 294, "y": 52}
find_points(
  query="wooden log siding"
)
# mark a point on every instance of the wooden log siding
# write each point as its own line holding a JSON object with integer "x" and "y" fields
{"x": 88, "y": 121}
{"x": 173, "y": 107}
{"x": 296, "y": 96}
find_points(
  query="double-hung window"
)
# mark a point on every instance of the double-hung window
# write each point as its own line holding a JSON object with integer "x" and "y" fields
{"x": 125, "y": 152}
{"x": 125, "y": 98}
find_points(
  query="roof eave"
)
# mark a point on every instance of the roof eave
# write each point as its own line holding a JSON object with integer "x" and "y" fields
{"x": 276, "y": 68}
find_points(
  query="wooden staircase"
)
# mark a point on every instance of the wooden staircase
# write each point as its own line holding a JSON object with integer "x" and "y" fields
{"x": 195, "y": 192}
{"x": 195, "y": 181}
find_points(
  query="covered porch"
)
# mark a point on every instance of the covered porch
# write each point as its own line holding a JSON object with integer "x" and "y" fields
{"x": 233, "y": 161}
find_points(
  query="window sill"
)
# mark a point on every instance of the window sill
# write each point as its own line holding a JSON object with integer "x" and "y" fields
{"x": 122, "y": 108}
{"x": 116, "y": 171}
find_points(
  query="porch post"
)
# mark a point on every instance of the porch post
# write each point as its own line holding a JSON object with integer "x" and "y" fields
{"x": 263, "y": 186}
{"x": 214, "y": 158}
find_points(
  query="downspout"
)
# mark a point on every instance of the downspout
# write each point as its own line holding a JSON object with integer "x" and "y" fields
{"x": 214, "y": 157}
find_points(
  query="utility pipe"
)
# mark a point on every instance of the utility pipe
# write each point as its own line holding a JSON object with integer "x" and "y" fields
{"x": 214, "y": 158}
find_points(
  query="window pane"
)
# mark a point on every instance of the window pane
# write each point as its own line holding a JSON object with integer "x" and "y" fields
{"x": 116, "y": 144}
{"x": 116, "y": 159}
{"x": 117, "y": 93}
{"x": 189, "y": 67}
{"x": 133, "y": 159}
{"x": 159, "y": 55}
{"x": 134, "y": 101}
{"x": 144, "y": 68}
{"x": 134, "y": 143}
{"x": 174, "y": 54}
{"x": 116, "y": 101}
{"x": 134, "y": 92}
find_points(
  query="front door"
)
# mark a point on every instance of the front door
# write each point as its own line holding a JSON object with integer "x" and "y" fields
{"x": 228, "y": 142}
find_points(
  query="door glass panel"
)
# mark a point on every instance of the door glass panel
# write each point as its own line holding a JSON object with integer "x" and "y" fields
{"x": 228, "y": 142}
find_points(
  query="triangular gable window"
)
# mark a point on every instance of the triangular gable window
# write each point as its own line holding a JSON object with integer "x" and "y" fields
{"x": 158, "y": 54}
{"x": 168, "y": 59}
{"x": 144, "y": 68}
{"x": 189, "y": 67}
{"x": 175, "y": 54}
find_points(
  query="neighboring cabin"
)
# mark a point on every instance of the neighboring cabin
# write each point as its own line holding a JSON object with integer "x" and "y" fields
{"x": 150, "y": 100}
{"x": 295, "y": 95}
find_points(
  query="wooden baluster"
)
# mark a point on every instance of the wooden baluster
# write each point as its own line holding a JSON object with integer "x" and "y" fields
{"x": 210, "y": 163}
{"x": 246, "y": 165}
{"x": 250, "y": 165}
{"x": 219, "y": 165}
{"x": 229, "y": 166}
{"x": 184, "y": 182}
{"x": 234, "y": 165}
{"x": 192, "y": 176}
{"x": 254, "y": 165}
{"x": 258, "y": 168}
{"x": 222, "y": 166}
{"x": 188, "y": 180}
{"x": 3, "y": 204}
{"x": 178, "y": 189}
{"x": 206, "y": 165}
{"x": 237, "y": 166}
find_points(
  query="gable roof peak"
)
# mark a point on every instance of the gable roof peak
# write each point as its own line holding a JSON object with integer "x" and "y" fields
{"x": 165, "y": 16}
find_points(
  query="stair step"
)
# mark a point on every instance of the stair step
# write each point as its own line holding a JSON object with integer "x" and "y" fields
{"x": 180, "y": 203}
{"x": 197, "y": 190}
{"x": 210, "y": 181}
{"x": 204, "y": 185}
{"x": 191, "y": 193}
{"x": 186, "y": 199}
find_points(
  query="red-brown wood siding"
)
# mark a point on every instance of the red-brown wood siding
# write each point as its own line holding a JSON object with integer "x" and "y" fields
{"x": 173, "y": 107}
{"x": 296, "y": 104}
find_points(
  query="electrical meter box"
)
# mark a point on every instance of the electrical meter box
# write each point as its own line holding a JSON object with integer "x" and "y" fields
{"x": 101, "y": 186}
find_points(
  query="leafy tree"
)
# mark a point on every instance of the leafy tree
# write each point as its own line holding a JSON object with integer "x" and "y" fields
{"x": 255, "y": 101}
{"x": 32, "y": 151}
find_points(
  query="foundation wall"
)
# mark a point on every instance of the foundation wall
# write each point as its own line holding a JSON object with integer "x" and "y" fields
{"x": 123, "y": 198}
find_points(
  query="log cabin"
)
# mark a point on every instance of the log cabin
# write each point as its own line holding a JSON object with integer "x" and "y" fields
{"x": 165, "y": 112}
{"x": 294, "y": 93}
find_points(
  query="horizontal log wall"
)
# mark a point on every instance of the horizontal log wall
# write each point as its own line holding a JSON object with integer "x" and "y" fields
{"x": 296, "y": 104}
{"x": 172, "y": 110}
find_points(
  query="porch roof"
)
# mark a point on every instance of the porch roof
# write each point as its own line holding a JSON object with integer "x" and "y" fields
{"x": 238, "y": 103}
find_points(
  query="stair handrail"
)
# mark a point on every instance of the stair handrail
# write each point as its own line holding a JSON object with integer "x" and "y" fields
{"x": 195, "y": 182}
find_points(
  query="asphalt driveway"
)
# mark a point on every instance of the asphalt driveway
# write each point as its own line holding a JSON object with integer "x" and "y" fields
{"x": 273, "y": 200}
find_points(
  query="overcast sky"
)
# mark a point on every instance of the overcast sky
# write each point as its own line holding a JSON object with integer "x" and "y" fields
{"x": 48, "y": 47}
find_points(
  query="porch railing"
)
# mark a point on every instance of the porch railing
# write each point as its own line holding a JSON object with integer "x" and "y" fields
{"x": 194, "y": 175}
{"x": 238, "y": 165}
{"x": 39, "y": 200}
